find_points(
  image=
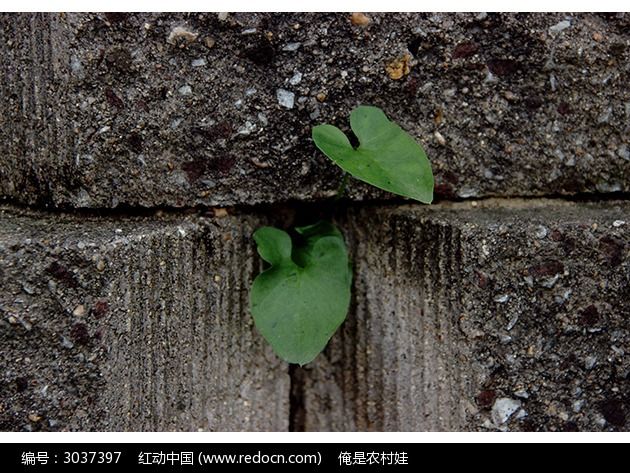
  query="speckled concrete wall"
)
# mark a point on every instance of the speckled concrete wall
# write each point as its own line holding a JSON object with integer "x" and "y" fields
{"x": 123, "y": 301}
{"x": 186, "y": 109}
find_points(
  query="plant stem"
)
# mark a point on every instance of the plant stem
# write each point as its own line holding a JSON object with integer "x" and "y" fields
{"x": 342, "y": 187}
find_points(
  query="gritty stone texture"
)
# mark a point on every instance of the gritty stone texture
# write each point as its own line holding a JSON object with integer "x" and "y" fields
{"x": 107, "y": 110}
{"x": 471, "y": 318}
{"x": 132, "y": 323}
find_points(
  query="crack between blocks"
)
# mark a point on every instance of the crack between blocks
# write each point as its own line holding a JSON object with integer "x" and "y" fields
{"x": 297, "y": 408}
{"x": 325, "y": 206}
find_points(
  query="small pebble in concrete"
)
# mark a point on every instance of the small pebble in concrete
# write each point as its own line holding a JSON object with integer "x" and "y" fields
{"x": 28, "y": 288}
{"x": 219, "y": 212}
{"x": 439, "y": 138}
{"x": 185, "y": 90}
{"x": 209, "y": 42}
{"x": 522, "y": 393}
{"x": 560, "y": 27}
{"x": 399, "y": 67}
{"x": 247, "y": 129}
{"x": 198, "y": 62}
{"x": 541, "y": 232}
{"x": 503, "y": 409}
{"x": 618, "y": 223}
{"x": 512, "y": 323}
{"x": 79, "y": 311}
{"x": 359, "y": 19}
{"x": 292, "y": 47}
{"x": 501, "y": 299}
{"x": 285, "y": 98}
{"x": 180, "y": 33}
{"x": 296, "y": 78}
{"x": 550, "y": 282}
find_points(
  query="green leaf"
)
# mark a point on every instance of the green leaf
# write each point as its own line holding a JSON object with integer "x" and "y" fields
{"x": 300, "y": 301}
{"x": 388, "y": 157}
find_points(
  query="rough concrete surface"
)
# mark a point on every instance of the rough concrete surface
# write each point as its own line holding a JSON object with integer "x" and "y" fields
{"x": 139, "y": 152}
{"x": 104, "y": 110}
{"x": 133, "y": 323}
{"x": 512, "y": 315}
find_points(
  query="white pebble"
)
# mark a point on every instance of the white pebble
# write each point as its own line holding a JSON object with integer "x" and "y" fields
{"x": 247, "y": 129}
{"x": 292, "y": 47}
{"x": 540, "y": 232}
{"x": 181, "y": 32}
{"x": 503, "y": 409}
{"x": 590, "y": 362}
{"x": 199, "y": 62}
{"x": 559, "y": 27}
{"x": 440, "y": 139}
{"x": 296, "y": 79}
{"x": 185, "y": 90}
{"x": 285, "y": 98}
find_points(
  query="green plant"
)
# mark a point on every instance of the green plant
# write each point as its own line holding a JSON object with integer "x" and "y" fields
{"x": 301, "y": 299}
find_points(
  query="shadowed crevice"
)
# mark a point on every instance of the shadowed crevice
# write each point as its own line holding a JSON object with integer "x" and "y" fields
{"x": 297, "y": 413}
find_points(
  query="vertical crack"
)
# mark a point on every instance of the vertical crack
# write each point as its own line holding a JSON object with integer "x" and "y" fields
{"x": 297, "y": 412}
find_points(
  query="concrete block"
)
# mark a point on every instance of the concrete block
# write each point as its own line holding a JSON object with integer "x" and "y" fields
{"x": 108, "y": 110}
{"x": 132, "y": 323}
{"x": 505, "y": 315}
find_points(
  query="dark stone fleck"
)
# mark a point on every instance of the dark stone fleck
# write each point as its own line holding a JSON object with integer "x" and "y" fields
{"x": 100, "y": 309}
{"x": 79, "y": 333}
{"x": 617, "y": 49}
{"x": 444, "y": 190}
{"x": 589, "y": 316}
{"x": 113, "y": 99}
{"x": 222, "y": 130}
{"x": 533, "y": 103}
{"x": 21, "y": 384}
{"x": 547, "y": 268}
{"x": 61, "y": 273}
{"x": 118, "y": 59}
{"x": 116, "y": 17}
{"x": 465, "y": 50}
{"x": 414, "y": 45}
{"x": 564, "y": 108}
{"x": 222, "y": 165}
{"x": 195, "y": 169}
{"x": 482, "y": 279}
{"x": 611, "y": 250}
{"x": 570, "y": 426}
{"x": 613, "y": 412}
{"x": 261, "y": 52}
{"x": 556, "y": 235}
{"x": 502, "y": 67}
{"x": 485, "y": 399}
{"x": 135, "y": 142}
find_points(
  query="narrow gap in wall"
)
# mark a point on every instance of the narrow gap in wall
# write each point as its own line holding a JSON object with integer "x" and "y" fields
{"x": 319, "y": 207}
{"x": 297, "y": 414}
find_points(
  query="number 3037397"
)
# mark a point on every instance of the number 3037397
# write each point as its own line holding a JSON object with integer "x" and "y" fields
{"x": 91, "y": 457}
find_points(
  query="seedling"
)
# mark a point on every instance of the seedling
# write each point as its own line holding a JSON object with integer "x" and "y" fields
{"x": 303, "y": 297}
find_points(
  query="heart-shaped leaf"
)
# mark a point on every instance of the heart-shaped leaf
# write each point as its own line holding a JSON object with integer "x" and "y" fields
{"x": 300, "y": 301}
{"x": 388, "y": 157}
